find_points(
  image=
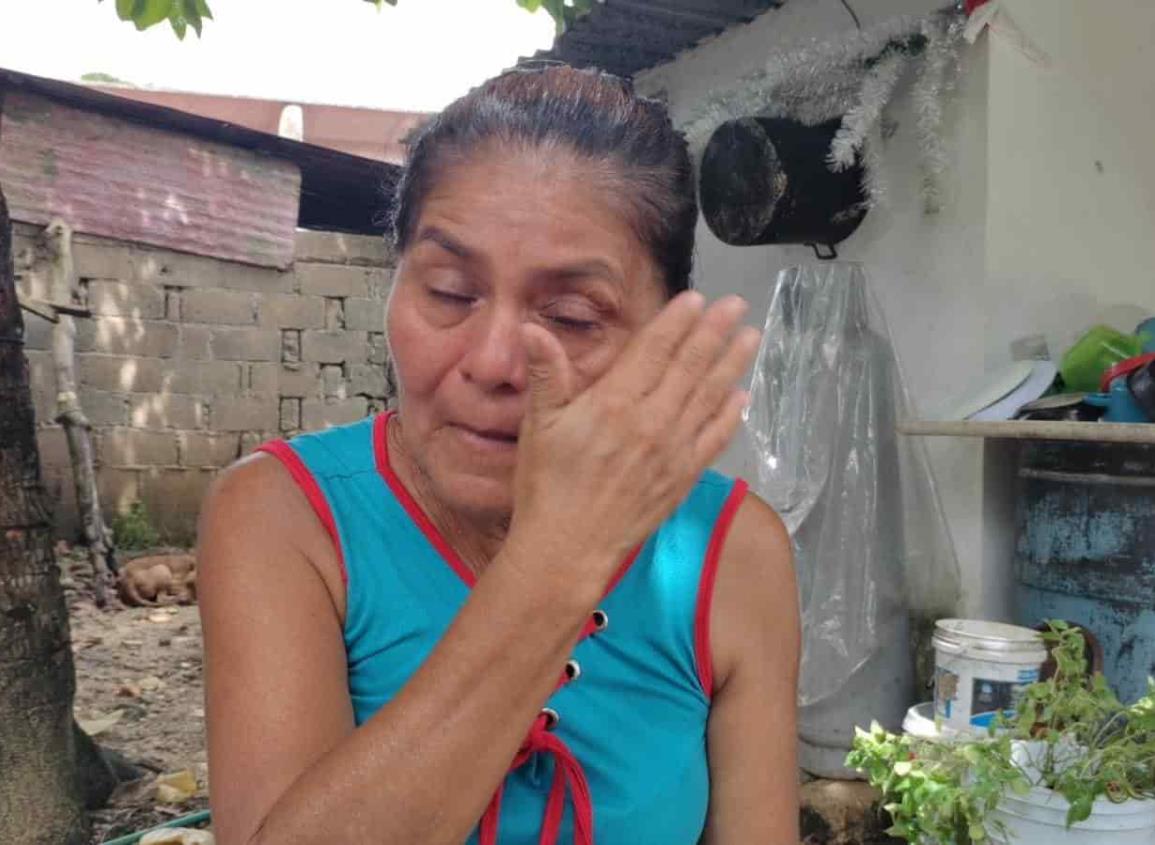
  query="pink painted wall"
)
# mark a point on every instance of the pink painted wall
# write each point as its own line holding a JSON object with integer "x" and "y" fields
{"x": 118, "y": 179}
{"x": 370, "y": 133}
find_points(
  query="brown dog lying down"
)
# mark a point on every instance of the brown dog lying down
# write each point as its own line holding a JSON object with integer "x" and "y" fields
{"x": 158, "y": 579}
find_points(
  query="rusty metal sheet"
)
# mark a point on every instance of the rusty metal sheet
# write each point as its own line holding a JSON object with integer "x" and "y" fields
{"x": 110, "y": 177}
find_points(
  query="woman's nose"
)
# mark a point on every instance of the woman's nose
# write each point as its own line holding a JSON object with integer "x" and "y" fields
{"x": 495, "y": 359}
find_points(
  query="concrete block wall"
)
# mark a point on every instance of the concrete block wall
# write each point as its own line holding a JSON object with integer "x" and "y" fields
{"x": 188, "y": 363}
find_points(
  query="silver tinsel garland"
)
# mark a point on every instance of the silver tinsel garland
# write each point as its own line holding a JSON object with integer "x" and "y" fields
{"x": 853, "y": 78}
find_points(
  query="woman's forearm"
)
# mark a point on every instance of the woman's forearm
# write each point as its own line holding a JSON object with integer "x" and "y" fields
{"x": 423, "y": 769}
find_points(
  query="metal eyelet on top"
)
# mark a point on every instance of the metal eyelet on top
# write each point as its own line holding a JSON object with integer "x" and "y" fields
{"x": 573, "y": 669}
{"x": 551, "y": 718}
{"x": 601, "y": 620}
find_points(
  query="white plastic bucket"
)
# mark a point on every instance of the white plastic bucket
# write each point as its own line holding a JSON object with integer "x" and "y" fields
{"x": 980, "y": 669}
{"x": 919, "y": 722}
{"x": 1040, "y": 818}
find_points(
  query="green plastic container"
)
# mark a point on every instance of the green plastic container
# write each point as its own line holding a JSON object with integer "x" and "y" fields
{"x": 1093, "y": 354}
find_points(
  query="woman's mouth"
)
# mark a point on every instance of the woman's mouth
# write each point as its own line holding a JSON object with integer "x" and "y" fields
{"x": 488, "y": 438}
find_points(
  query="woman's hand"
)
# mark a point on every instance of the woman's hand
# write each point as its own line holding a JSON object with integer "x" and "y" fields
{"x": 599, "y": 470}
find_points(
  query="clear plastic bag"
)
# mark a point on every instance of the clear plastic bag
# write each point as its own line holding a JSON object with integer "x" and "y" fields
{"x": 871, "y": 545}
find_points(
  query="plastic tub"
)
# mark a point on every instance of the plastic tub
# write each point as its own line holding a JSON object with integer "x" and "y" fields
{"x": 919, "y": 722}
{"x": 1040, "y": 818}
{"x": 980, "y": 669}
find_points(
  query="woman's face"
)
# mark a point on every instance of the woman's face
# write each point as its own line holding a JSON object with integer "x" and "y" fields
{"x": 504, "y": 239}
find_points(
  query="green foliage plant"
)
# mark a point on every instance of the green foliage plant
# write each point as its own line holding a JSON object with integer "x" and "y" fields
{"x": 1070, "y": 734}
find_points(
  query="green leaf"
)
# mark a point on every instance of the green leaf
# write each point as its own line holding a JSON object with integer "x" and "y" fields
{"x": 124, "y": 9}
{"x": 178, "y": 22}
{"x": 146, "y": 13}
{"x": 203, "y": 10}
{"x": 189, "y": 10}
{"x": 529, "y": 5}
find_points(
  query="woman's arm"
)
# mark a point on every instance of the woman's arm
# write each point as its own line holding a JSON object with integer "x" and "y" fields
{"x": 596, "y": 474}
{"x": 287, "y": 765}
{"x": 755, "y": 642}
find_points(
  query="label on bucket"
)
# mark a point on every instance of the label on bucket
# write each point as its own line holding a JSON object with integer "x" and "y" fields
{"x": 988, "y": 696}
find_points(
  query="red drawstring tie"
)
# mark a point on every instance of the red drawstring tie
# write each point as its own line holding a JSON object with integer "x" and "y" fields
{"x": 567, "y": 772}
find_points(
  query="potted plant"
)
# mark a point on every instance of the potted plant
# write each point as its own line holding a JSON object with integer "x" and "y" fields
{"x": 1073, "y": 766}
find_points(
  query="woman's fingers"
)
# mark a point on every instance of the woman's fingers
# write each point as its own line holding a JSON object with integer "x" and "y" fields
{"x": 550, "y": 377}
{"x": 640, "y": 369}
{"x": 713, "y": 390}
{"x": 698, "y": 354}
{"x": 719, "y": 430}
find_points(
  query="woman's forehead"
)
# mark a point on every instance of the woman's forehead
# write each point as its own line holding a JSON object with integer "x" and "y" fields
{"x": 533, "y": 209}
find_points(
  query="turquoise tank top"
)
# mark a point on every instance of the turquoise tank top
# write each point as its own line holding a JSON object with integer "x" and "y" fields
{"x": 619, "y": 754}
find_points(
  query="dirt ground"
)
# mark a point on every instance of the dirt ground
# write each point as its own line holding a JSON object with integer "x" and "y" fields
{"x": 139, "y": 692}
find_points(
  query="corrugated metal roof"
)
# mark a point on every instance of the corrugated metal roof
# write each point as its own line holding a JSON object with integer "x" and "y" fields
{"x": 627, "y": 36}
{"x": 339, "y": 191}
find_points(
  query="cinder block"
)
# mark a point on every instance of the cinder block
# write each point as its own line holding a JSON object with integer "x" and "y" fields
{"x": 378, "y": 349}
{"x": 366, "y": 315}
{"x": 333, "y": 279}
{"x": 333, "y": 381}
{"x": 104, "y": 259}
{"x": 111, "y": 298}
{"x": 206, "y": 378}
{"x": 369, "y": 380}
{"x": 52, "y": 443}
{"x": 35, "y": 286}
{"x": 316, "y": 414}
{"x": 381, "y": 283}
{"x": 301, "y": 382}
{"x": 42, "y": 382}
{"x": 260, "y": 377}
{"x": 126, "y": 336}
{"x": 118, "y": 488}
{"x": 246, "y": 413}
{"x": 219, "y": 307}
{"x": 338, "y": 248}
{"x": 102, "y": 408}
{"x": 245, "y": 344}
{"x": 193, "y": 343}
{"x": 198, "y": 449}
{"x": 334, "y": 313}
{"x": 37, "y": 332}
{"x": 120, "y": 373}
{"x": 290, "y": 311}
{"x": 172, "y": 499}
{"x": 290, "y": 415}
{"x": 291, "y": 348}
{"x": 327, "y": 347}
{"x": 130, "y": 447}
{"x": 167, "y": 410}
{"x": 250, "y": 440}
{"x": 260, "y": 279}
{"x": 175, "y": 269}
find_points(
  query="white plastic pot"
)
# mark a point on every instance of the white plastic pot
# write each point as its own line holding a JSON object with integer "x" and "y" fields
{"x": 1040, "y": 818}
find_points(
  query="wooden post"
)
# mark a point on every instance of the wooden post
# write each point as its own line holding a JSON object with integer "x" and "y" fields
{"x": 56, "y": 241}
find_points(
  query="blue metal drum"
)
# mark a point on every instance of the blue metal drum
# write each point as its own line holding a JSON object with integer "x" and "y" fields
{"x": 1085, "y": 550}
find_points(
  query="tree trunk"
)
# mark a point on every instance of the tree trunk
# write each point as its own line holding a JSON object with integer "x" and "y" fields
{"x": 41, "y": 801}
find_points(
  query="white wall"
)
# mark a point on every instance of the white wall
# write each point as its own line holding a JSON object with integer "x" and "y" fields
{"x": 1032, "y": 236}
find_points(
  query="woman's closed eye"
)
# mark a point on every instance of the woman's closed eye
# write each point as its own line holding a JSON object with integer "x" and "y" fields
{"x": 452, "y": 297}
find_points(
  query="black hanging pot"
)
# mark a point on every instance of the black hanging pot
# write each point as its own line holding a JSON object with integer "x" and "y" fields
{"x": 765, "y": 180}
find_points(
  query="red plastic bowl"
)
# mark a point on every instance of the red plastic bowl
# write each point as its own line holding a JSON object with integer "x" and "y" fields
{"x": 1124, "y": 368}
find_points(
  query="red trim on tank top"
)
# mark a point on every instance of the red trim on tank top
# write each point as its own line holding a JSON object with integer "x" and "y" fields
{"x": 415, "y": 511}
{"x": 702, "y": 650}
{"x": 422, "y": 520}
{"x": 308, "y": 485}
